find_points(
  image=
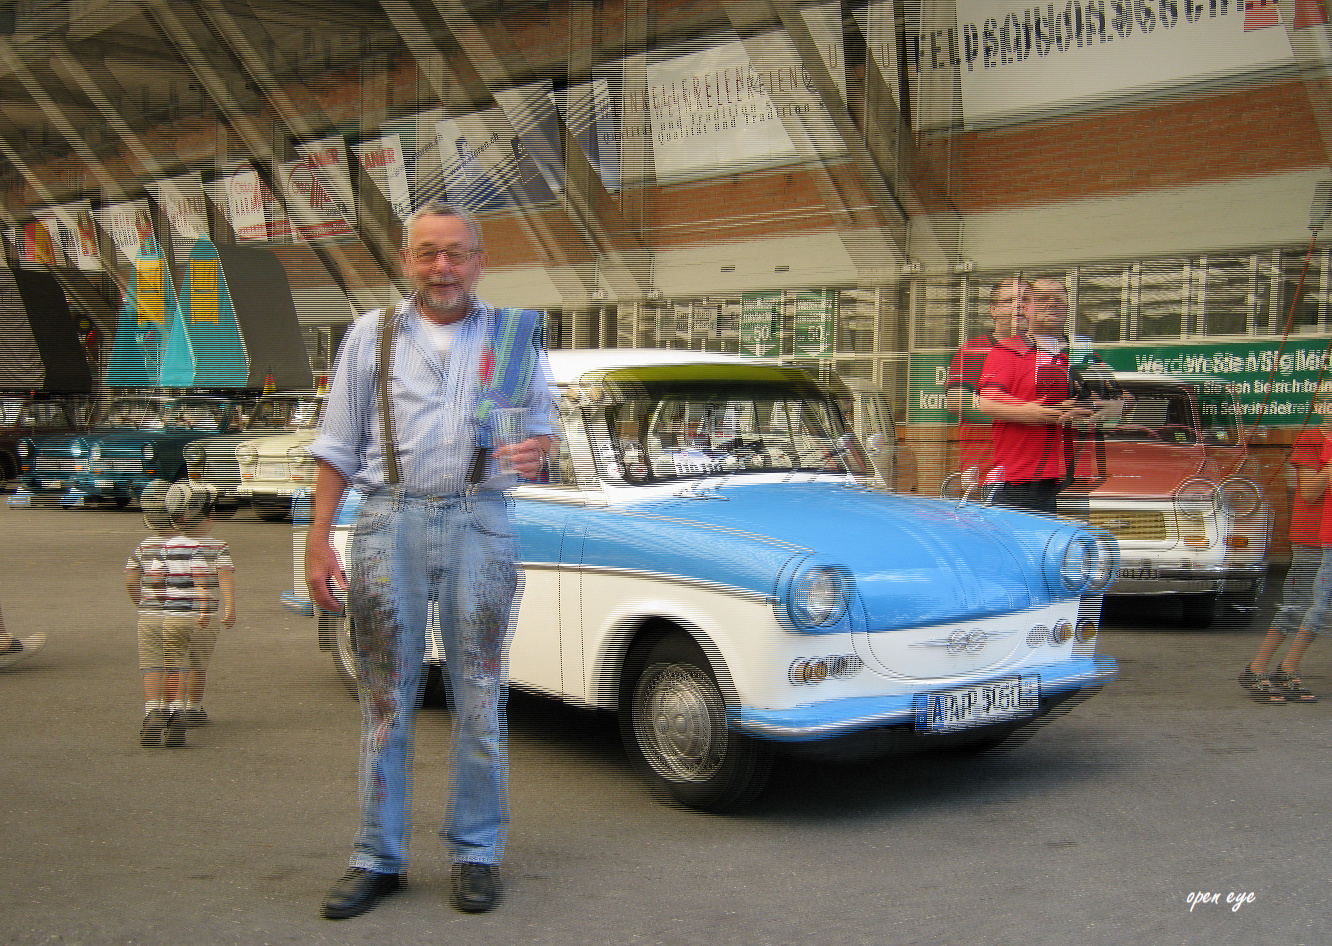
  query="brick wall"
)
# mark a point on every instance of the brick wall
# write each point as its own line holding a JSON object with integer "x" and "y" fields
{"x": 1178, "y": 141}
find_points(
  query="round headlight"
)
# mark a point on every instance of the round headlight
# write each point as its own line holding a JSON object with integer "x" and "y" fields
{"x": 95, "y": 454}
{"x": 246, "y": 454}
{"x": 76, "y": 449}
{"x": 148, "y": 451}
{"x": 1239, "y": 498}
{"x": 1087, "y": 564}
{"x": 24, "y": 449}
{"x": 298, "y": 455}
{"x": 1197, "y": 498}
{"x": 820, "y": 596}
{"x": 194, "y": 457}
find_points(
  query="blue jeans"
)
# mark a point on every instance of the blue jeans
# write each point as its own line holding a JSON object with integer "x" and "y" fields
{"x": 1316, "y": 618}
{"x": 1297, "y": 596}
{"x": 409, "y": 554}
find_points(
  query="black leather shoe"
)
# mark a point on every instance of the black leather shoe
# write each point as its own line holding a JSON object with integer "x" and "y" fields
{"x": 357, "y": 891}
{"x": 474, "y": 888}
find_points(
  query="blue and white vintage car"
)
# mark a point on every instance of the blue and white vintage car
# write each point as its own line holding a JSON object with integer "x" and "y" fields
{"x": 709, "y": 562}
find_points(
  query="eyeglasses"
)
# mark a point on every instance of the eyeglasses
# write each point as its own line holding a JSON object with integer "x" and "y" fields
{"x": 455, "y": 257}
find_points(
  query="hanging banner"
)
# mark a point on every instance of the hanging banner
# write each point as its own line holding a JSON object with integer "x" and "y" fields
{"x": 761, "y": 324}
{"x": 318, "y": 191}
{"x": 1017, "y": 60}
{"x": 743, "y": 105}
{"x": 483, "y": 161}
{"x": 131, "y": 227}
{"x": 36, "y": 246}
{"x": 814, "y": 323}
{"x": 537, "y": 147}
{"x": 72, "y": 226}
{"x": 182, "y": 202}
{"x": 255, "y": 213}
{"x": 592, "y": 114}
{"x": 383, "y": 161}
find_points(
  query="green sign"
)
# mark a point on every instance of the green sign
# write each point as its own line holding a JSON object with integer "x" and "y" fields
{"x": 761, "y": 324}
{"x": 1274, "y": 386}
{"x": 814, "y": 323}
{"x": 927, "y": 373}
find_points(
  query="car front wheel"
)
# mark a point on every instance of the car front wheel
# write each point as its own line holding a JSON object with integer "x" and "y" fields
{"x": 674, "y": 727}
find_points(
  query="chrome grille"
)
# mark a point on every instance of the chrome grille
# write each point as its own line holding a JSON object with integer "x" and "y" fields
{"x": 1145, "y": 525}
{"x": 52, "y": 465}
{"x": 119, "y": 466}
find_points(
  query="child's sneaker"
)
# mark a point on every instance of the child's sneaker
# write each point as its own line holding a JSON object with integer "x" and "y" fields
{"x": 1290, "y": 686}
{"x": 195, "y": 717}
{"x": 150, "y": 733}
{"x": 174, "y": 736}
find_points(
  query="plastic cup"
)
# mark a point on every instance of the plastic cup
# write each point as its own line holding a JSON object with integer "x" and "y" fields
{"x": 509, "y": 427}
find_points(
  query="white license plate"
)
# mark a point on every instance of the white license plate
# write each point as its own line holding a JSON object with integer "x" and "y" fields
{"x": 53, "y": 484}
{"x": 1140, "y": 573}
{"x": 980, "y": 705}
{"x": 105, "y": 484}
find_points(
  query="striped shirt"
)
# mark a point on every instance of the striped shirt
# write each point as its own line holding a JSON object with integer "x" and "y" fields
{"x": 191, "y": 566}
{"x": 147, "y": 564}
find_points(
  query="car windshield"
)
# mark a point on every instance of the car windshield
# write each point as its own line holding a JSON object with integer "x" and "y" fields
{"x": 9, "y": 410}
{"x": 1165, "y": 414}
{"x": 295, "y": 412}
{"x": 678, "y": 422}
{"x": 152, "y": 414}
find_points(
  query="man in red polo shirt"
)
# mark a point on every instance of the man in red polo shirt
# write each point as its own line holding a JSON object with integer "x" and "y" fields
{"x": 1010, "y": 308}
{"x": 1036, "y": 402}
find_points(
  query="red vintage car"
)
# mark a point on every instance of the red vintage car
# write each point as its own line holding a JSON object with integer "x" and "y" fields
{"x": 1174, "y": 483}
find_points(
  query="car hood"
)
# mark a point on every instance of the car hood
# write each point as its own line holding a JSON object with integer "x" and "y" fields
{"x": 1153, "y": 471}
{"x": 915, "y": 561}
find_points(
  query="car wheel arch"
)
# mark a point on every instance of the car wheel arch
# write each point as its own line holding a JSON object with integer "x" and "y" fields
{"x": 625, "y": 657}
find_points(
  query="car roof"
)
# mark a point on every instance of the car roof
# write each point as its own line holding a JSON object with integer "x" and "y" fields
{"x": 568, "y": 366}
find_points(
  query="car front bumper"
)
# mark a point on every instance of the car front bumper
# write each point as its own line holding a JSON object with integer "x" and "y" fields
{"x": 834, "y": 718}
{"x": 1226, "y": 578}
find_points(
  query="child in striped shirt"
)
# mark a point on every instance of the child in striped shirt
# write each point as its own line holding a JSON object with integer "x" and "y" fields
{"x": 199, "y": 582}
{"x": 145, "y": 580}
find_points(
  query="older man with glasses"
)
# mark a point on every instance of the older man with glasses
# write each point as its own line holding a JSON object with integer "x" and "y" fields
{"x": 409, "y": 422}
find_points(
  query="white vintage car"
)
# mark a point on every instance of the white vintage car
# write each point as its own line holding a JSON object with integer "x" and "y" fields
{"x": 273, "y": 469}
{"x": 709, "y": 562}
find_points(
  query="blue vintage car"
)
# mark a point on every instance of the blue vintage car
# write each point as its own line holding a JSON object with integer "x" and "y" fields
{"x": 710, "y": 561}
{"x": 133, "y": 441}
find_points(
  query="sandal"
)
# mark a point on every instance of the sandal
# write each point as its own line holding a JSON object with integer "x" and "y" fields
{"x": 1261, "y": 688}
{"x": 1291, "y": 687}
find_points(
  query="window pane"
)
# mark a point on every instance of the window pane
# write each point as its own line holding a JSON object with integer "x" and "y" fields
{"x": 1163, "y": 292}
{"x": 1225, "y": 294}
{"x": 1102, "y": 303}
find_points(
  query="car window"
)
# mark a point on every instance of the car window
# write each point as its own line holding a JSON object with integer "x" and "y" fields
{"x": 9, "y": 410}
{"x": 285, "y": 412}
{"x": 133, "y": 412}
{"x": 667, "y": 424}
{"x": 44, "y": 415}
{"x": 1167, "y": 414}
